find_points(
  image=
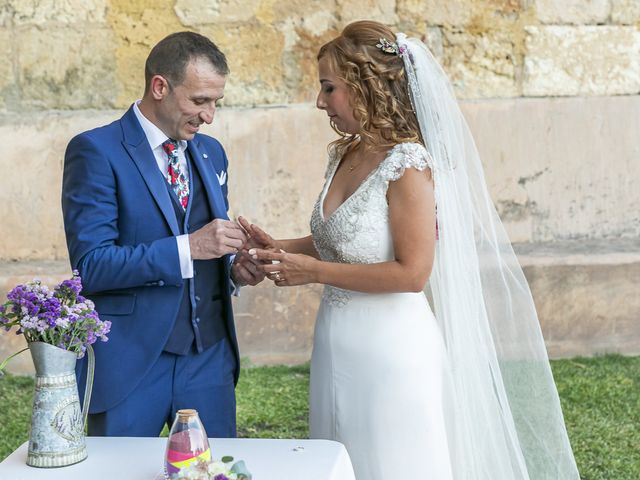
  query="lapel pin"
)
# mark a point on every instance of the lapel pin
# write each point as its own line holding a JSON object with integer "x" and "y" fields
{"x": 204, "y": 155}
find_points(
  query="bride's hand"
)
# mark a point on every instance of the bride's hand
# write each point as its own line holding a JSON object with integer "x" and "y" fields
{"x": 258, "y": 238}
{"x": 287, "y": 269}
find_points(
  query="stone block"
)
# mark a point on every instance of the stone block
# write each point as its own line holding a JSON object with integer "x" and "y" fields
{"x": 455, "y": 12}
{"x": 277, "y": 160}
{"x": 575, "y": 12}
{"x": 256, "y": 68}
{"x": 137, "y": 25}
{"x": 304, "y": 26}
{"x": 276, "y": 325}
{"x": 41, "y": 12}
{"x": 6, "y": 15}
{"x": 586, "y": 296}
{"x": 379, "y": 10}
{"x": 480, "y": 65}
{"x": 63, "y": 68}
{"x": 561, "y": 169}
{"x": 34, "y": 145}
{"x": 433, "y": 40}
{"x": 196, "y": 12}
{"x": 313, "y": 16}
{"x": 318, "y": 23}
{"x": 7, "y": 73}
{"x": 604, "y": 60}
{"x": 625, "y": 12}
{"x": 301, "y": 65}
{"x": 34, "y": 222}
{"x": 435, "y": 12}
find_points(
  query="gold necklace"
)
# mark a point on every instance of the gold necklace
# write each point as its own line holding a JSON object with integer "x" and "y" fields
{"x": 351, "y": 166}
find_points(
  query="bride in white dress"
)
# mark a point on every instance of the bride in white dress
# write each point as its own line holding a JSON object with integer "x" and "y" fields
{"x": 469, "y": 395}
{"x": 378, "y": 358}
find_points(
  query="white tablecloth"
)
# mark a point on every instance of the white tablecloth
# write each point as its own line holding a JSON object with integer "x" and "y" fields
{"x": 129, "y": 458}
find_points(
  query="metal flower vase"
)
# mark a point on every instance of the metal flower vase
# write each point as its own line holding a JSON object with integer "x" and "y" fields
{"x": 57, "y": 422}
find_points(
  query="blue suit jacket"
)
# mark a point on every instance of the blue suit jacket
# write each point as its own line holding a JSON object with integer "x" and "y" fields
{"x": 120, "y": 227}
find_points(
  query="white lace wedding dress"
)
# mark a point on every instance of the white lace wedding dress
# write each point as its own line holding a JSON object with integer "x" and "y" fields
{"x": 378, "y": 369}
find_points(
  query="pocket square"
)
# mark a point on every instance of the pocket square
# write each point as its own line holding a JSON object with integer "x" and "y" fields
{"x": 222, "y": 177}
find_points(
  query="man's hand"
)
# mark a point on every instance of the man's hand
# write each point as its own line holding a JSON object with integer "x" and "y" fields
{"x": 245, "y": 271}
{"x": 216, "y": 239}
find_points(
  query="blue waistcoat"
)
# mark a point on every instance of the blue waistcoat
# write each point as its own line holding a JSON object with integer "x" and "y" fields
{"x": 200, "y": 320}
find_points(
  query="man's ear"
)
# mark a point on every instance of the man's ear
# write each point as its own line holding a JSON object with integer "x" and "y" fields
{"x": 159, "y": 87}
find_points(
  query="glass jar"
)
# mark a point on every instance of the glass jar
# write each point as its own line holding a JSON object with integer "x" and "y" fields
{"x": 187, "y": 443}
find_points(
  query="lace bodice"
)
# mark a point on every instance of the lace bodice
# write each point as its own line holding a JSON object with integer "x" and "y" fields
{"x": 358, "y": 231}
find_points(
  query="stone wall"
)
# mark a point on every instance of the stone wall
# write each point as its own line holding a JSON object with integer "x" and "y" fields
{"x": 551, "y": 89}
{"x": 89, "y": 54}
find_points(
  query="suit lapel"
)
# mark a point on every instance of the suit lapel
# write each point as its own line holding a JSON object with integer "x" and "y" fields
{"x": 136, "y": 144}
{"x": 209, "y": 180}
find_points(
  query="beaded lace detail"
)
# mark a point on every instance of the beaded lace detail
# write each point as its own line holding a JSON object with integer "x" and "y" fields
{"x": 358, "y": 231}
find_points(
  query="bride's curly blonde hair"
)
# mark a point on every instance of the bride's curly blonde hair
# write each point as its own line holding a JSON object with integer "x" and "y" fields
{"x": 377, "y": 84}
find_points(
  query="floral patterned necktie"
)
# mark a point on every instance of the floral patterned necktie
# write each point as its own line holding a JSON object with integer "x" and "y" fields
{"x": 177, "y": 179}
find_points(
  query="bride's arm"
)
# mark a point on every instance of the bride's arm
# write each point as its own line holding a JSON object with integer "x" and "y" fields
{"x": 302, "y": 245}
{"x": 412, "y": 219}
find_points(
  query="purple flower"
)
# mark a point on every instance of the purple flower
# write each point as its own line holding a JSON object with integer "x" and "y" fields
{"x": 106, "y": 328}
{"x": 221, "y": 476}
{"x": 50, "y": 311}
{"x": 71, "y": 287}
{"x": 61, "y": 316}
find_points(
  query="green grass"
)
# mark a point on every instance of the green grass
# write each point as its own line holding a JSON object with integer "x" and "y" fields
{"x": 600, "y": 398}
{"x": 601, "y": 403}
{"x": 15, "y": 412}
{"x": 273, "y": 402}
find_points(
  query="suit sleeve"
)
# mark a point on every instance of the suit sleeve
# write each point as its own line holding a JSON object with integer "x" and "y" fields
{"x": 90, "y": 211}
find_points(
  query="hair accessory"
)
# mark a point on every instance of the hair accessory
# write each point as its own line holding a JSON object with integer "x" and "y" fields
{"x": 387, "y": 47}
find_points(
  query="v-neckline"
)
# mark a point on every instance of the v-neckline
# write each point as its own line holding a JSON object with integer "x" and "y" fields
{"x": 329, "y": 182}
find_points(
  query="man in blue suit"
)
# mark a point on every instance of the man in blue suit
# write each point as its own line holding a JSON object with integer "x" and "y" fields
{"x": 145, "y": 213}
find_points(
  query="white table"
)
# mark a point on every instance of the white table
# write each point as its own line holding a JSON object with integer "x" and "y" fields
{"x": 133, "y": 458}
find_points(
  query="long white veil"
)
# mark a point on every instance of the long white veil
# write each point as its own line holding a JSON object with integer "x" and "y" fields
{"x": 504, "y": 413}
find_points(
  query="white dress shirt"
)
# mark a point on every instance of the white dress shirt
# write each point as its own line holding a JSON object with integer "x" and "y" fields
{"x": 156, "y": 138}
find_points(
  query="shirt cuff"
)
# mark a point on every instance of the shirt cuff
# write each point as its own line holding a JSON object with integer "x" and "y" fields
{"x": 184, "y": 253}
{"x": 235, "y": 288}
